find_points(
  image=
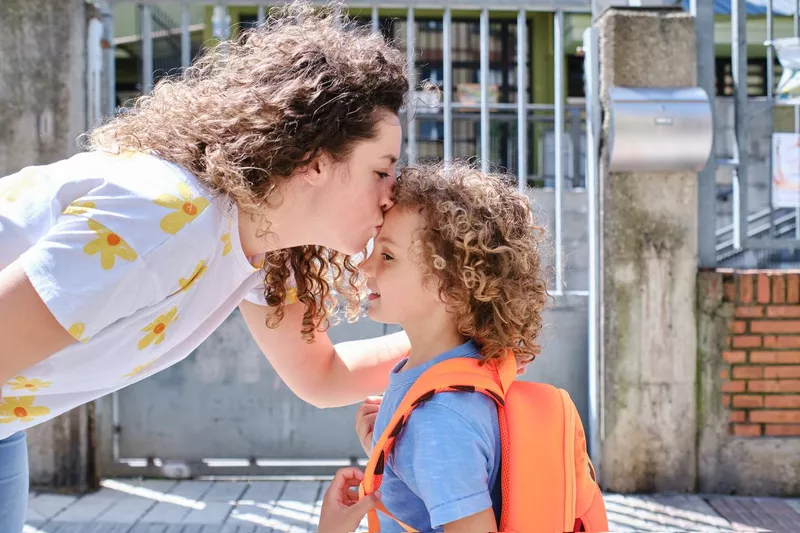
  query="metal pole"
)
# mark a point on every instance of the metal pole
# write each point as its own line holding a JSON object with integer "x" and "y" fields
{"x": 522, "y": 99}
{"x": 447, "y": 60}
{"x": 411, "y": 149}
{"x": 110, "y": 62}
{"x": 558, "y": 59}
{"x": 376, "y": 21}
{"x": 739, "y": 70}
{"x": 485, "y": 148}
{"x": 261, "y": 14}
{"x": 594, "y": 363}
{"x": 147, "y": 49}
{"x": 796, "y": 24}
{"x": 770, "y": 90}
{"x": 186, "y": 42}
{"x": 703, "y": 12}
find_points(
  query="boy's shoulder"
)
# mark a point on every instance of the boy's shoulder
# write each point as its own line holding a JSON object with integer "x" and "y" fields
{"x": 450, "y": 411}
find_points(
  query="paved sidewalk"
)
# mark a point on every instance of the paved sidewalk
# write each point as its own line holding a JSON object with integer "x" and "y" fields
{"x": 164, "y": 506}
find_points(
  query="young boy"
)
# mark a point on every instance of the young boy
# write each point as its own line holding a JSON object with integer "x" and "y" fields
{"x": 456, "y": 264}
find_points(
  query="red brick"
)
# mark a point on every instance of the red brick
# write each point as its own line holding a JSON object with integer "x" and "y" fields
{"x": 773, "y": 357}
{"x": 749, "y": 341}
{"x": 788, "y": 401}
{"x": 745, "y": 400}
{"x": 763, "y": 289}
{"x": 781, "y": 341}
{"x": 733, "y": 386}
{"x": 782, "y": 372}
{"x": 751, "y": 311}
{"x": 779, "y": 289}
{"x": 767, "y": 385}
{"x": 792, "y": 289}
{"x": 783, "y": 311}
{"x": 726, "y": 400}
{"x": 747, "y": 430}
{"x": 774, "y": 430}
{"x": 737, "y": 416}
{"x": 775, "y": 326}
{"x": 748, "y": 372}
{"x": 746, "y": 288}
{"x": 775, "y": 417}
{"x": 737, "y": 326}
{"x": 734, "y": 357}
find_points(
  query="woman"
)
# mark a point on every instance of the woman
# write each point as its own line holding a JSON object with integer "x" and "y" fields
{"x": 250, "y": 181}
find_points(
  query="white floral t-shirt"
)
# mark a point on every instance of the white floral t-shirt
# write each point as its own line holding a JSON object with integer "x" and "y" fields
{"x": 133, "y": 257}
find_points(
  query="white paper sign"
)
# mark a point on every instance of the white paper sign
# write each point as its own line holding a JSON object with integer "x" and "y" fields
{"x": 786, "y": 170}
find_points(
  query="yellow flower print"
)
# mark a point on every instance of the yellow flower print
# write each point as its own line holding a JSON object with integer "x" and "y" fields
{"x": 291, "y": 296}
{"x": 139, "y": 369}
{"x": 155, "y": 330}
{"x": 187, "y": 208}
{"x": 226, "y": 240}
{"x": 30, "y": 385}
{"x": 79, "y": 207}
{"x": 77, "y": 330}
{"x": 199, "y": 270}
{"x": 20, "y": 408}
{"x": 109, "y": 245}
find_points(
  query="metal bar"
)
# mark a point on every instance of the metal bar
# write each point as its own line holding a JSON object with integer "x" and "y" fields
{"x": 147, "y": 49}
{"x": 739, "y": 70}
{"x": 796, "y": 24}
{"x": 594, "y": 362}
{"x": 186, "y": 41}
{"x": 522, "y": 99}
{"x": 411, "y": 148}
{"x": 110, "y": 62}
{"x": 703, "y": 11}
{"x": 770, "y": 86}
{"x": 558, "y": 92}
{"x": 376, "y": 21}
{"x": 484, "y": 73}
{"x": 261, "y": 14}
{"x": 447, "y": 66}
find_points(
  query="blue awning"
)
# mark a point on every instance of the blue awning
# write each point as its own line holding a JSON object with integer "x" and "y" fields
{"x": 754, "y": 7}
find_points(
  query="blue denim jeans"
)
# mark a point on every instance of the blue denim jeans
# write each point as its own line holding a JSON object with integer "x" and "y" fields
{"x": 13, "y": 483}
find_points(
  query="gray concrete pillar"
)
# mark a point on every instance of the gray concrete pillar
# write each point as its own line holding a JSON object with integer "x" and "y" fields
{"x": 648, "y": 233}
{"x": 42, "y": 112}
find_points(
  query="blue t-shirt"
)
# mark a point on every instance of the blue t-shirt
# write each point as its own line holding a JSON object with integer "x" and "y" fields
{"x": 446, "y": 462}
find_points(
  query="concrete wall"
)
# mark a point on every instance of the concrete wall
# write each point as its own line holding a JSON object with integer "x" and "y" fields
{"x": 749, "y": 383}
{"x": 648, "y": 226}
{"x": 42, "y": 111}
{"x": 42, "y": 96}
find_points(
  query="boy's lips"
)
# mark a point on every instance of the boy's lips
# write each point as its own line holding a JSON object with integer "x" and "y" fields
{"x": 374, "y": 295}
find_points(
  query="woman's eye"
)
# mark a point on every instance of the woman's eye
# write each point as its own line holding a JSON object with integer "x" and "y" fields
{"x": 382, "y": 175}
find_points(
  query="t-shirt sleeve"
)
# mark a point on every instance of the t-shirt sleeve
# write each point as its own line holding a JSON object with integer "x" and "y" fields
{"x": 106, "y": 255}
{"x": 446, "y": 459}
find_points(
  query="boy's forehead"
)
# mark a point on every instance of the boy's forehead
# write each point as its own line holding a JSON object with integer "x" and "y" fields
{"x": 399, "y": 225}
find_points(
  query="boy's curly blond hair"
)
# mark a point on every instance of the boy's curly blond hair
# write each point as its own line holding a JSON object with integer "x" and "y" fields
{"x": 480, "y": 242}
{"x": 252, "y": 110}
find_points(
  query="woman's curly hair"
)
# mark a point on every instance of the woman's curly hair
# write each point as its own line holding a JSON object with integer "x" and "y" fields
{"x": 479, "y": 240}
{"x": 252, "y": 110}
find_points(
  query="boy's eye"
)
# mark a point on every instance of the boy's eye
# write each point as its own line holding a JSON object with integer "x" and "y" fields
{"x": 386, "y": 257}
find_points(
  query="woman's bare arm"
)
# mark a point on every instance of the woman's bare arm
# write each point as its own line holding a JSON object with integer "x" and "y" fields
{"x": 321, "y": 373}
{"x": 29, "y": 332}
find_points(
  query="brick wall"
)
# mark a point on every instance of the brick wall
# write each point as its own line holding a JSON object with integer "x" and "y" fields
{"x": 761, "y": 377}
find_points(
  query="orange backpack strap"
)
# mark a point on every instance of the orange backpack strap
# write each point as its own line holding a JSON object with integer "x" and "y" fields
{"x": 452, "y": 375}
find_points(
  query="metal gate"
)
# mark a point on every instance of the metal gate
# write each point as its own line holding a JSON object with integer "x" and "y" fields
{"x": 223, "y": 410}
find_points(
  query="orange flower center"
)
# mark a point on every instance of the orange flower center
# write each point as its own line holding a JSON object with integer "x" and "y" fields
{"x": 159, "y": 329}
{"x": 29, "y": 385}
{"x": 20, "y": 412}
{"x": 113, "y": 239}
{"x": 190, "y": 209}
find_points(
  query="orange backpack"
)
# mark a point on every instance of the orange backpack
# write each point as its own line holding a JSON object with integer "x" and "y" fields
{"x": 548, "y": 481}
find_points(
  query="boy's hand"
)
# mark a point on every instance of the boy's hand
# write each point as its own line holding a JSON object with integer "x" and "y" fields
{"x": 342, "y": 510}
{"x": 365, "y": 421}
